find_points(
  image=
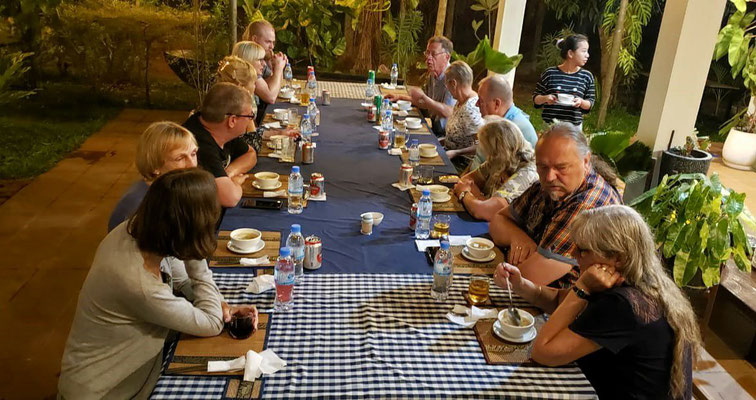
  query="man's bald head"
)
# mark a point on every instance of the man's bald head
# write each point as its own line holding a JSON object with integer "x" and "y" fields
{"x": 262, "y": 33}
{"x": 494, "y": 96}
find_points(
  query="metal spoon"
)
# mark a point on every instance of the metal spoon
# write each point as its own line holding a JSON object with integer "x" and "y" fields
{"x": 513, "y": 314}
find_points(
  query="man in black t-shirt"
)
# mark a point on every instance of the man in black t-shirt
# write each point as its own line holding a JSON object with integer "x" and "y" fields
{"x": 218, "y": 127}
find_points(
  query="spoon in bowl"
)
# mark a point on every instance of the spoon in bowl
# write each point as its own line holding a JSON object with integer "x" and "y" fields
{"x": 514, "y": 315}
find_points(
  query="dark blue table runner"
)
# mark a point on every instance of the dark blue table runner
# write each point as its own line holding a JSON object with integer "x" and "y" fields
{"x": 358, "y": 179}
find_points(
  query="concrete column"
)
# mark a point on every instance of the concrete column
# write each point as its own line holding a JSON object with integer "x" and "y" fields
{"x": 508, "y": 29}
{"x": 681, "y": 62}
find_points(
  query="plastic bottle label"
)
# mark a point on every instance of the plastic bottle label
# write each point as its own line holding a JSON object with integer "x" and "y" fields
{"x": 285, "y": 278}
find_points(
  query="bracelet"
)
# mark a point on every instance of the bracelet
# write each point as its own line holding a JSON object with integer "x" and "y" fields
{"x": 540, "y": 289}
{"x": 580, "y": 293}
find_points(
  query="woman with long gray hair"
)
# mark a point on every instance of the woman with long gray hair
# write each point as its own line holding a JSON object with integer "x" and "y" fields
{"x": 625, "y": 322}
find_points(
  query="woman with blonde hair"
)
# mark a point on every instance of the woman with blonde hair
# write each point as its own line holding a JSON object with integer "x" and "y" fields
{"x": 508, "y": 171}
{"x": 254, "y": 54}
{"x": 625, "y": 322}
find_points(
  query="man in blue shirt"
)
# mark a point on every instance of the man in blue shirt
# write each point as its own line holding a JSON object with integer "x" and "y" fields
{"x": 495, "y": 98}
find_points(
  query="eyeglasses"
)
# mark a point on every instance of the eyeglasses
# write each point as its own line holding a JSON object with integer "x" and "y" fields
{"x": 427, "y": 54}
{"x": 240, "y": 115}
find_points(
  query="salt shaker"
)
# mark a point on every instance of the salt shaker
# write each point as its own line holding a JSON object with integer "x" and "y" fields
{"x": 367, "y": 224}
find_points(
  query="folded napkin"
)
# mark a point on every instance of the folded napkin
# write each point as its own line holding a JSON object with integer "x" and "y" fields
{"x": 261, "y": 284}
{"x": 467, "y": 317}
{"x": 400, "y": 187}
{"x": 251, "y": 262}
{"x": 454, "y": 240}
{"x": 320, "y": 197}
{"x": 277, "y": 193}
{"x": 395, "y": 152}
{"x": 274, "y": 155}
{"x": 272, "y": 125}
{"x": 254, "y": 364}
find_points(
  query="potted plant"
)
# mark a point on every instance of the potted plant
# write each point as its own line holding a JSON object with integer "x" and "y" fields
{"x": 486, "y": 58}
{"x": 686, "y": 159}
{"x": 697, "y": 226}
{"x": 631, "y": 161}
{"x": 736, "y": 41}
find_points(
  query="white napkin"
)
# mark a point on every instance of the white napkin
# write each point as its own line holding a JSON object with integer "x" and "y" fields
{"x": 395, "y": 152}
{"x": 402, "y": 113}
{"x": 294, "y": 100}
{"x": 454, "y": 240}
{"x": 274, "y": 155}
{"x": 377, "y": 127}
{"x": 254, "y": 364}
{"x": 251, "y": 262}
{"x": 320, "y": 197}
{"x": 261, "y": 284}
{"x": 272, "y": 125}
{"x": 400, "y": 187}
{"x": 277, "y": 193}
{"x": 470, "y": 315}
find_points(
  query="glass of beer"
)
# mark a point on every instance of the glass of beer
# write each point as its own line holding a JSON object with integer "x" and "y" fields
{"x": 426, "y": 174}
{"x": 478, "y": 290}
{"x": 400, "y": 139}
{"x": 441, "y": 224}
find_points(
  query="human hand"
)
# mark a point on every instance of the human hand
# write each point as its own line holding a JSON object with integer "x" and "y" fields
{"x": 277, "y": 61}
{"x": 598, "y": 278}
{"x": 285, "y": 58}
{"x": 461, "y": 186}
{"x": 239, "y": 178}
{"x": 506, "y": 271}
{"x": 577, "y": 102}
{"x": 520, "y": 248}
{"x": 230, "y": 311}
{"x": 417, "y": 95}
{"x": 549, "y": 99}
{"x": 291, "y": 132}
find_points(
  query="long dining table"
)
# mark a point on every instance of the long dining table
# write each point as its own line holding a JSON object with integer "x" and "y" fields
{"x": 364, "y": 324}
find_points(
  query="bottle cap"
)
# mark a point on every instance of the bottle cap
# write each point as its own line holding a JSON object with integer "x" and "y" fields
{"x": 296, "y": 169}
{"x": 306, "y": 115}
{"x": 413, "y": 142}
{"x": 426, "y": 192}
{"x": 296, "y": 228}
{"x": 284, "y": 252}
{"x": 445, "y": 245}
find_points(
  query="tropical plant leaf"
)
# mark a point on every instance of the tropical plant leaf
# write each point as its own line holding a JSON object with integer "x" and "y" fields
{"x": 678, "y": 270}
{"x": 740, "y": 5}
{"x": 741, "y": 260}
{"x": 710, "y": 276}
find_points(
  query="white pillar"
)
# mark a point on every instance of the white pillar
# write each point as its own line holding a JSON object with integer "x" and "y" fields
{"x": 681, "y": 62}
{"x": 508, "y": 29}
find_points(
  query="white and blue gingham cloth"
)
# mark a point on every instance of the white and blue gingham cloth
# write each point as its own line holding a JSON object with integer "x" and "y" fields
{"x": 367, "y": 336}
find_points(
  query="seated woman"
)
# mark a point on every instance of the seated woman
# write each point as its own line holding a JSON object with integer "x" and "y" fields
{"x": 626, "y": 323}
{"x": 163, "y": 146}
{"x": 129, "y": 303}
{"x": 254, "y": 54}
{"x": 465, "y": 120}
{"x": 508, "y": 171}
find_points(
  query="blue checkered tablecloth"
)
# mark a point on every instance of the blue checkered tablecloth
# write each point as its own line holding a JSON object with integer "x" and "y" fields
{"x": 379, "y": 336}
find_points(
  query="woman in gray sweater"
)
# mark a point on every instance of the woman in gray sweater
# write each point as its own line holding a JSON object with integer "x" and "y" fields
{"x": 129, "y": 301}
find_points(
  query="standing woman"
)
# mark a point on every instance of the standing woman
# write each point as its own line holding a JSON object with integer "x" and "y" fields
{"x": 571, "y": 80}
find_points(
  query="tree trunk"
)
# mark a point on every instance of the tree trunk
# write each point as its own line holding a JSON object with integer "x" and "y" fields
{"x": 608, "y": 79}
{"x": 538, "y": 31}
{"x": 440, "y": 17}
{"x": 449, "y": 24}
{"x": 348, "y": 59}
{"x": 369, "y": 36}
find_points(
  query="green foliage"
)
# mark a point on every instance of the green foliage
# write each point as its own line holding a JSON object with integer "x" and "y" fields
{"x": 549, "y": 54}
{"x": 484, "y": 57}
{"x": 488, "y": 7}
{"x": 11, "y": 70}
{"x": 697, "y": 222}
{"x": 614, "y": 147}
{"x": 638, "y": 14}
{"x": 308, "y": 30}
{"x": 400, "y": 37}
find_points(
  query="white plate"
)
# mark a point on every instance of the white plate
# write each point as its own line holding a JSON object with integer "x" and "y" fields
{"x": 470, "y": 257}
{"x": 257, "y": 186}
{"x": 435, "y": 153}
{"x": 443, "y": 199}
{"x": 414, "y": 127}
{"x": 257, "y": 248}
{"x": 565, "y": 103}
{"x": 528, "y": 336}
{"x": 294, "y": 100}
{"x": 388, "y": 86}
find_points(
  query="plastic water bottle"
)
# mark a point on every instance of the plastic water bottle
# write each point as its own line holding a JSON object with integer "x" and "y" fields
{"x": 424, "y": 211}
{"x": 394, "y": 75}
{"x": 288, "y": 75}
{"x": 296, "y": 243}
{"x": 369, "y": 91}
{"x": 387, "y": 121}
{"x": 414, "y": 158}
{"x": 312, "y": 85}
{"x": 284, "y": 277}
{"x": 296, "y": 187}
{"x": 305, "y": 128}
{"x": 312, "y": 110}
{"x": 442, "y": 272}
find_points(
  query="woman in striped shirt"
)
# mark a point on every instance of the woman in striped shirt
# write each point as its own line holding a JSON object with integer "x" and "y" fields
{"x": 567, "y": 91}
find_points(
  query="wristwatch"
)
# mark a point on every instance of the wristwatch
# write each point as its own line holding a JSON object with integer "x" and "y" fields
{"x": 580, "y": 292}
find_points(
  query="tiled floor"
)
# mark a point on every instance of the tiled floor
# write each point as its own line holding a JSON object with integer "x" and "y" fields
{"x": 50, "y": 230}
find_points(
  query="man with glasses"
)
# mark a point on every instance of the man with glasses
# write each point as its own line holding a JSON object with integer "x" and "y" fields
{"x": 218, "y": 127}
{"x": 434, "y": 97}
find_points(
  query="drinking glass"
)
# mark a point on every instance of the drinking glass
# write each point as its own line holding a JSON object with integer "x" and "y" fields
{"x": 441, "y": 225}
{"x": 288, "y": 149}
{"x": 240, "y": 326}
{"x": 478, "y": 289}
{"x": 293, "y": 116}
{"x": 400, "y": 139}
{"x": 426, "y": 174}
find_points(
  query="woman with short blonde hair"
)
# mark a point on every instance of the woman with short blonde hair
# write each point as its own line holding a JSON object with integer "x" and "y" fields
{"x": 629, "y": 327}
{"x": 238, "y": 71}
{"x": 508, "y": 171}
{"x": 250, "y": 52}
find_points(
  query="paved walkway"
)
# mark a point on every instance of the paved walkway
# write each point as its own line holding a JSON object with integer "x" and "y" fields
{"x": 49, "y": 232}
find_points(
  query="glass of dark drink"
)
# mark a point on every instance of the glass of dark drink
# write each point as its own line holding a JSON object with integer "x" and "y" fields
{"x": 240, "y": 326}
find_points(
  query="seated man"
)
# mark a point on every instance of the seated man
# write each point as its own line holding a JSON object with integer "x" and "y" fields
{"x": 535, "y": 225}
{"x": 218, "y": 127}
{"x": 495, "y": 98}
{"x": 270, "y": 81}
{"x": 434, "y": 96}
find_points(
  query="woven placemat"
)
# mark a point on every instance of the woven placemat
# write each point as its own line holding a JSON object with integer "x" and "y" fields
{"x": 398, "y": 91}
{"x": 499, "y": 351}
{"x": 223, "y": 257}
{"x": 462, "y": 265}
{"x": 248, "y": 189}
{"x": 437, "y": 160}
{"x": 192, "y": 353}
{"x": 453, "y": 205}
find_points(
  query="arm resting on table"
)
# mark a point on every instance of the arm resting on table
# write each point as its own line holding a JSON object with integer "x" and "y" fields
{"x": 542, "y": 270}
{"x": 229, "y": 193}
{"x": 556, "y": 344}
{"x": 242, "y": 164}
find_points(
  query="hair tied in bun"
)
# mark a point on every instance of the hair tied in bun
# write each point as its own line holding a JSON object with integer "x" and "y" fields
{"x": 559, "y": 42}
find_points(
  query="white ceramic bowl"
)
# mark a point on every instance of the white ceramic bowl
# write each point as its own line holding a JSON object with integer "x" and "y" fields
{"x": 267, "y": 180}
{"x": 526, "y": 318}
{"x": 404, "y": 105}
{"x": 479, "y": 247}
{"x": 565, "y": 98}
{"x": 245, "y": 238}
{"x": 413, "y": 122}
{"x": 427, "y": 149}
{"x": 438, "y": 192}
{"x": 280, "y": 113}
{"x": 377, "y": 217}
{"x": 286, "y": 93}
